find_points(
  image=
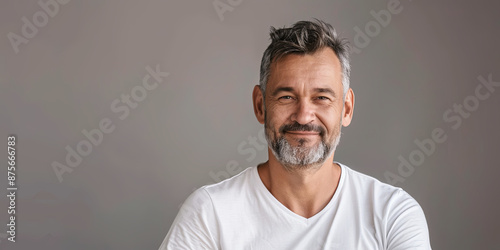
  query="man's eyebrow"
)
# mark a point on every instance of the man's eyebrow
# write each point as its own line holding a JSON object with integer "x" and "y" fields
{"x": 325, "y": 90}
{"x": 282, "y": 89}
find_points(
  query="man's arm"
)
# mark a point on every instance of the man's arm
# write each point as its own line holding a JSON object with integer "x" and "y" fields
{"x": 406, "y": 224}
{"x": 195, "y": 226}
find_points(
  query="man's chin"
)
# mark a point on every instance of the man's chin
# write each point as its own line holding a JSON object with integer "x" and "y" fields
{"x": 294, "y": 167}
{"x": 302, "y": 157}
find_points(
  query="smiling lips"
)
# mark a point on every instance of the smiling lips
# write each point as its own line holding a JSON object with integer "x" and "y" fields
{"x": 302, "y": 133}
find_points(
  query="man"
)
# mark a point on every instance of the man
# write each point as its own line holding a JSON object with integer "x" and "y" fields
{"x": 301, "y": 198}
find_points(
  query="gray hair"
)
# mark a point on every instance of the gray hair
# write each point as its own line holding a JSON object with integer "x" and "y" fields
{"x": 304, "y": 37}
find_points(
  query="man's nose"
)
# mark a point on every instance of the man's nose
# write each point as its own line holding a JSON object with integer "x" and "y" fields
{"x": 304, "y": 112}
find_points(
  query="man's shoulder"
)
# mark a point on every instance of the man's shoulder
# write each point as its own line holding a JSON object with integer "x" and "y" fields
{"x": 207, "y": 197}
{"x": 401, "y": 213}
{"x": 366, "y": 180}
{"x": 232, "y": 185}
{"x": 364, "y": 184}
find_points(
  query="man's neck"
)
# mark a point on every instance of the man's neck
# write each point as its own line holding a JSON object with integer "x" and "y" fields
{"x": 304, "y": 191}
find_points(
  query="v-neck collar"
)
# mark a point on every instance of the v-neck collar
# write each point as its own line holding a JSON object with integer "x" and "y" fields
{"x": 290, "y": 213}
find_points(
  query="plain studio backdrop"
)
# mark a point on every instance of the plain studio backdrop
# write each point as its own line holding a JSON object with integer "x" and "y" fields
{"x": 104, "y": 160}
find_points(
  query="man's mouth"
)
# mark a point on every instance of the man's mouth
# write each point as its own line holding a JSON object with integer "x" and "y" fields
{"x": 302, "y": 132}
{"x": 297, "y": 129}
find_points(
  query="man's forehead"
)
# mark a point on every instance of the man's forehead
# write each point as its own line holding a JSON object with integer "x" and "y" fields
{"x": 318, "y": 70}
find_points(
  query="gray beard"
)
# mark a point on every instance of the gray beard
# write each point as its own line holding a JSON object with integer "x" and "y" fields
{"x": 300, "y": 157}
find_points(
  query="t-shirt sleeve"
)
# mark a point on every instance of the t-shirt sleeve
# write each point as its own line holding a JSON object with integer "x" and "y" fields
{"x": 195, "y": 226}
{"x": 406, "y": 224}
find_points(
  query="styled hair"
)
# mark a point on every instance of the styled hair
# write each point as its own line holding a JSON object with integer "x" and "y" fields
{"x": 304, "y": 37}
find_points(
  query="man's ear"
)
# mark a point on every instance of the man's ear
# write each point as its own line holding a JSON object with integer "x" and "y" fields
{"x": 348, "y": 109}
{"x": 258, "y": 103}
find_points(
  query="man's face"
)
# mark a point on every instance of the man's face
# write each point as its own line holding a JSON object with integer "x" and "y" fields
{"x": 304, "y": 108}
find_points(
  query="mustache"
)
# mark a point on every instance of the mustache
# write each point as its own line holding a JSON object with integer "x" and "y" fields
{"x": 302, "y": 127}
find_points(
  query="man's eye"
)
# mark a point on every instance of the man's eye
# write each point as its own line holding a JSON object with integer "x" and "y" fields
{"x": 323, "y": 98}
{"x": 287, "y": 97}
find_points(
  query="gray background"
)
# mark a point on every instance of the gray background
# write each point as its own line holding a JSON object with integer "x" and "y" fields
{"x": 127, "y": 191}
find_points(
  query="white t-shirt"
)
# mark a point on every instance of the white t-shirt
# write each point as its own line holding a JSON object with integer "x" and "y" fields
{"x": 240, "y": 213}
